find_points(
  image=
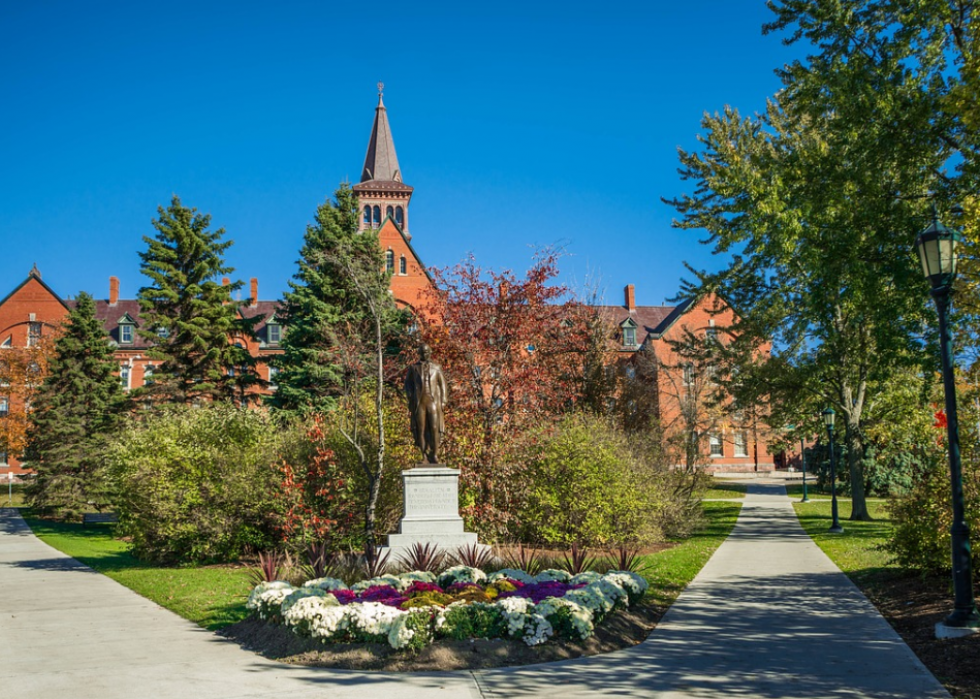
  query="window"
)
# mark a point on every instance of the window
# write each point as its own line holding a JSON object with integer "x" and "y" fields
{"x": 714, "y": 445}
{"x": 390, "y": 212}
{"x": 4, "y": 406}
{"x": 629, "y": 336}
{"x": 33, "y": 333}
{"x": 274, "y": 333}
{"x": 125, "y": 334}
{"x": 377, "y": 216}
{"x": 399, "y": 215}
{"x": 711, "y": 335}
{"x": 272, "y": 377}
{"x": 390, "y": 261}
{"x": 631, "y": 372}
{"x": 402, "y": 265}
{"x": 148, "y": 374}
{"x": 688, "y": 374}
{"x": 124, "y": 376}
{"x": 367, "y": 215}
{"x": 8, "y": 343}
{"x": 163, "y": 333}
{"x": 741, "y": 446}
{"x": 3, "y": 460}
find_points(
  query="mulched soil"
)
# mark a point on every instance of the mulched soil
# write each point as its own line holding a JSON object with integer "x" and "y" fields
{"x": 913, "y": 605}
{"x": 622, "y": 629}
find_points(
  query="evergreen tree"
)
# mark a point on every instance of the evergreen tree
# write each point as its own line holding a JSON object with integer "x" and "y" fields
{"x": 323, "y": 306}
{"x": 78, "y": 405}
{"x": 189, "y": 314}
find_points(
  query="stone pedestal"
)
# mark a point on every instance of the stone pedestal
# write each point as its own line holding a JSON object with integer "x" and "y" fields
{"x": 431, "y": 512}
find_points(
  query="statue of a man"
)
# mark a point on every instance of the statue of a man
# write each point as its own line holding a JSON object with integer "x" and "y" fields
{"x": 427, "y": 393}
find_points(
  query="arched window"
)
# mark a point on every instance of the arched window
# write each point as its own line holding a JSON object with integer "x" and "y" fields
{"x": 399, "y": 215}
{"x": 390, "y": 261}
{"x": 402, "y": 265}
{"x": 377, "y": 215}
{"x": 367, "y": 215}
{"x": 390, "y": 212}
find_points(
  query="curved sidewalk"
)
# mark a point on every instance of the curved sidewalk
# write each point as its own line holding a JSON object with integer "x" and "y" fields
{"x": 769, "y": 616}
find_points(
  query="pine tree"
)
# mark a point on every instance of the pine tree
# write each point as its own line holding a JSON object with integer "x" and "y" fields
{"x": 322, "y": 307}
{"x": 189, "y": 314}
{"x": 78, "y": 405}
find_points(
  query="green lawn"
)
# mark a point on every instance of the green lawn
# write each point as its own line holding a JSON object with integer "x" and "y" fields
{"x": 11, "y": 495}
{"x": 857, "y": 551}
{"x": 671, "y": 570}
{"x": 719, "y": 488}
{"x": 211, "y": 596}
{"x": 214, "y": 596}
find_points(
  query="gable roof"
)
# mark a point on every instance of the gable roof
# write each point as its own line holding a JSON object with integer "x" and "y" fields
{"x": 408, "y": 243}
{"x": 35, "y": 274}
{"x": 654, "y": 320}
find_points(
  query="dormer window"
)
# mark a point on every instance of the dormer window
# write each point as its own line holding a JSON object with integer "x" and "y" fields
{"x": 629, "y": 333}
{"x": 273, "y": 333}
{"x": 127, "y": 327}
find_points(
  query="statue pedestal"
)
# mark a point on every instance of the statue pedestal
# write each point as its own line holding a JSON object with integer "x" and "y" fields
{"x": 431, "y": 512}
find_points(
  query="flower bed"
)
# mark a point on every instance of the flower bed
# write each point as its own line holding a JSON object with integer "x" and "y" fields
{"x": 412, "y": 609}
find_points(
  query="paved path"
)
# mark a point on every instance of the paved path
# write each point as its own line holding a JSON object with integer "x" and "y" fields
{"x": 769, "y": 616}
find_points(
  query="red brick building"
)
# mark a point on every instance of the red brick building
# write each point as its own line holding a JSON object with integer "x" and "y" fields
{"x": 730, "y": 442}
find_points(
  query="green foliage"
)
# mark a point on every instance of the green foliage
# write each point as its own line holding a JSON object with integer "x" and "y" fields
{"x": 189, "y": 315}
{"x": 196, "y": 484}
{"x": 325, "y": 305}
{"x": 77, "y": 407}
{"x": 475, "y": 620}
{"x": 588, "y": 486}
{"x": 921, "y": 539}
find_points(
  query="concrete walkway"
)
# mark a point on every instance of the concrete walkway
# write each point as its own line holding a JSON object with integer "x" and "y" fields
{"x": 769, "y": 616}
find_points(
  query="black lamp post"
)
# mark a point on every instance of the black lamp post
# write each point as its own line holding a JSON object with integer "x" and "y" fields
{"x": 936, "y": 246}
{"x": 803, "y": 462}
{"x": 828, "y": 420}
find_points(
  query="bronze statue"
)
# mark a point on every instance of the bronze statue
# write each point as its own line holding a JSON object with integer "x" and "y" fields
{"x": 427, "y": 393}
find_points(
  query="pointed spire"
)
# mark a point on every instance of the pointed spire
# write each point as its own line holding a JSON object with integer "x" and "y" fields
{"x": 35, "y": 272}
{"x": 381, "y": 163}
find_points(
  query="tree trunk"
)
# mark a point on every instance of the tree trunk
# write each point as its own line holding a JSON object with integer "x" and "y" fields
{"x": 855, "y": 452}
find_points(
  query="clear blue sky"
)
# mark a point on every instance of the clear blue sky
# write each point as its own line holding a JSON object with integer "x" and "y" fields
{"x": 518, "y": 124}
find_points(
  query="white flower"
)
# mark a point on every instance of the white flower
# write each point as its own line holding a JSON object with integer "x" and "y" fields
{"x": 553, "y": 574}
{"x": 330, "y": 622}
{"x": 515, "y": 611}
{"x": 581, "y": 617}
{"x": 307, "y": 613}
{"x": 461, "y": 574}
{"x": 328, "y": 584}
{"x": 585, "y": 578}
{"x": 266, "y": 598}
{"x": 513, "y": 574}
{"x": 634, "y": 583}
{"x": 416, "y": 576}
{"x": 301, "y": 593}
{"x": 372, "y": 618}
{"x": 389, "y": 580}
{"x": 400, "y": 635}
{"x": 538, "y": 630}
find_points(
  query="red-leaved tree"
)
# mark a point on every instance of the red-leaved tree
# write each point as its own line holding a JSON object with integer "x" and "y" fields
{"x": 512, "y": 350}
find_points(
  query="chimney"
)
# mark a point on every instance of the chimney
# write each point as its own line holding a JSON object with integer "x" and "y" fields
{"x": 225, "y": 281}
{"x": 113, "y": 290}
{"x": 630, "y": 297}
{"x": 255, "y": 291}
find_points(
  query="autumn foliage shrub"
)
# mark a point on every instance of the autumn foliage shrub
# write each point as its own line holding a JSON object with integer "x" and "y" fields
{"x": 196, "y": 484}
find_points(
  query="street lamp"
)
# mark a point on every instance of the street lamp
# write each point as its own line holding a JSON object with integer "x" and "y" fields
{"x": 803, "y": 463}
{"x": 936, "y": 246}
{"x": 828, "y": 420}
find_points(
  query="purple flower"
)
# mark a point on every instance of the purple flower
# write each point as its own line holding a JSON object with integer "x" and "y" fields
{"x": 380, "y": 593}
{"x": 537, "y": 592}
{"x": 344, "y": 596}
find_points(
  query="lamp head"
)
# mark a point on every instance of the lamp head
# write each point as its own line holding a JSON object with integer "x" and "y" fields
{"x": 936, "y": 246}
{"x": 828, "y": 418}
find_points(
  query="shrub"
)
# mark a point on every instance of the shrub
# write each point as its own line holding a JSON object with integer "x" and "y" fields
{"x": 195, "y": 485}
{"x": 921, "y": 538}
{"x": 588, "y": 487}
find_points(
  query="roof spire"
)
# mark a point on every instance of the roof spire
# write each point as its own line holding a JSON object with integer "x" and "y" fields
{"x": 381, "y": 162}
